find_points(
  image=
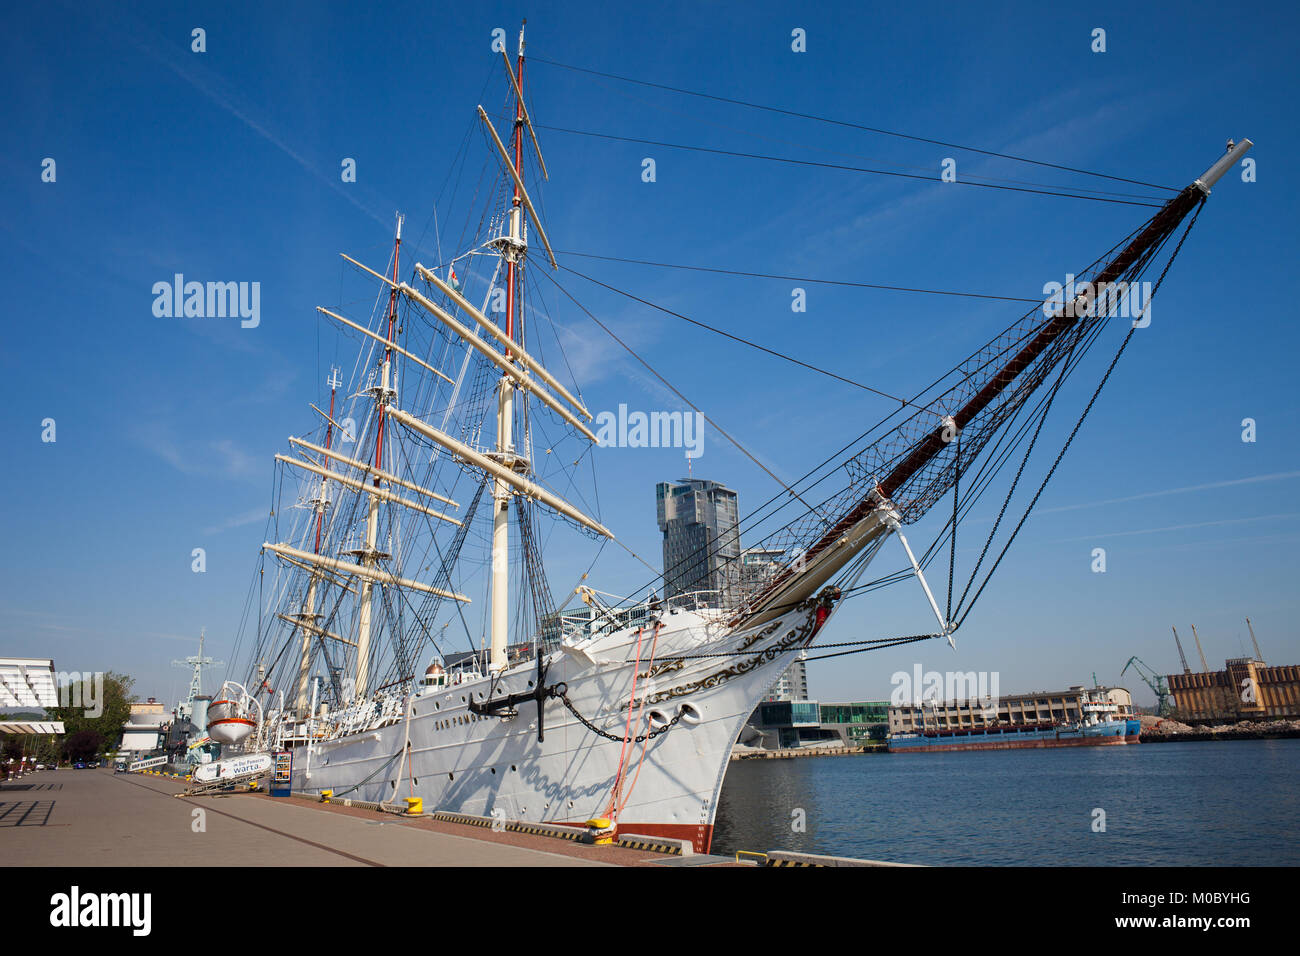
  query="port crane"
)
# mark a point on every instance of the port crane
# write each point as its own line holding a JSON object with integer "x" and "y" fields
{"x": 1181, "y": 656}
{"x": 1205, "y": 667}
{"x": 1258, "y": 656}
{"x": 1153, "y": 680}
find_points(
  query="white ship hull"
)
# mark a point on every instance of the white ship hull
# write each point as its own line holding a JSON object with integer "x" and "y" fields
{"x": 490, "y": 765}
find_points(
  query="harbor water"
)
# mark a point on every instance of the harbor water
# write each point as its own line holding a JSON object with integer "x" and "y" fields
{"x": 1230, "y": 803}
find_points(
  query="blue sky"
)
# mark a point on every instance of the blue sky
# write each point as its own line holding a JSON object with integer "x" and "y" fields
{"x": 225, "y": 165}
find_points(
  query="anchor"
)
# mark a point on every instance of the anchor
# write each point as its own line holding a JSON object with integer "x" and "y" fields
{"x": 502, "y": 706}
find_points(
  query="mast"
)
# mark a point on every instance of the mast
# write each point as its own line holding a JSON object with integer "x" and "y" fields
{"x": 307, "y": 618}
{"x": 196, "y": 676}
{"x": 513, "y": 249}
{"x": 504, "y": 465}
{"x": 369, "y": 553}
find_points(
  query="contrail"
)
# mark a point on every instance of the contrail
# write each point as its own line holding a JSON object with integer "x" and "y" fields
{"x": 1210, "y": 486}
{"x": 1184, "y": 527}
{"x": 134, "y": 35}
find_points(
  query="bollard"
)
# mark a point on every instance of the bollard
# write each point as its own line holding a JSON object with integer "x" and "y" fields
{"x": 600, "y": 831}
{"x": 325, "y": 796}
{"x": 414, "y": 805}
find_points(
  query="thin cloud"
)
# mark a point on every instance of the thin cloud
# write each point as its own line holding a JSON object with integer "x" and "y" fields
{"x": 238, "y": 521}
{"x": 219, "y": 456}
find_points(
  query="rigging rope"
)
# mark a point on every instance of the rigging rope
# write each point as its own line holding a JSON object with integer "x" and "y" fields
{"x": 723, "y": 432}
{"x": 748, "y": 342}
{"x": 740, "y": 154}
{"x": 1123, "y": 345}
{"x": 811, "y": 281}
{"x": 534, "y": 58}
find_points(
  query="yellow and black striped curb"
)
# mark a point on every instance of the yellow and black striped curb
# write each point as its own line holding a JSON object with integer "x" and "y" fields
{"x": 359, "y": 804}
{"x": 649, "y": 843}
{"x": 573, "y": 834}
{"x": 464, "y": 818}
{"x": 162, "y": 773}
{"x": 542, "y": 829}
{"x": 514, "y": 826}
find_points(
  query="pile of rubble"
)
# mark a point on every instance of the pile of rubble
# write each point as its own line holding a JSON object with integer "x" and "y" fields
{"x": 1162, "y": 726}
{"x": 1166, "y": 727}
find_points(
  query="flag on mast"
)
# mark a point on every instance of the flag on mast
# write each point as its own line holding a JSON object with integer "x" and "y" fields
{"x": 451, "y": 277}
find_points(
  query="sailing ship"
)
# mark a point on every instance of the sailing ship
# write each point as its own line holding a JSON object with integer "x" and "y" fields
{"x": 453, "y": 418}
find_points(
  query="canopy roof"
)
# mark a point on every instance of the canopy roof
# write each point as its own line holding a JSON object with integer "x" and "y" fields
{"x": 28, "y": 682}
{"x": 31, "y": 727}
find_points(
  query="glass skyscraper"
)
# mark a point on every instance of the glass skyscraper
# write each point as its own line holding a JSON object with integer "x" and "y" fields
{"x": 700, "y": 523}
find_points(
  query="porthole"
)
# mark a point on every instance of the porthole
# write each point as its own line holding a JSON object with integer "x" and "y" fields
{"x": 451, "y": 776}
{"x": 494, "y": 770}
{"x": 514, "y": 768}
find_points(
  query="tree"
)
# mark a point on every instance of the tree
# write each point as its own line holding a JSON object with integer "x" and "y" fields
{"x": 114, "y": 709}
{"x": 83, "y": 745}
{"x": 11, "y": 748}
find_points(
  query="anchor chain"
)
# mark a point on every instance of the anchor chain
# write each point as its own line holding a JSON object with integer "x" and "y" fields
{"x": 562, "y": 692}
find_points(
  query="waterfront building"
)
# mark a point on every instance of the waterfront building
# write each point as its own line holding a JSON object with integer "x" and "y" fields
{"x": 758, "y": 565}
{"x": 793, "y": 682}
{"x": 146, "y": 729}
{"x": 1246, "y": 689}
{"x": 1040, "y": 707}
{"x": 787, "y": 724}
{"x": 29, "y": 683}
{"x": 701, "y": 548}
{"x": 700, "y": 523}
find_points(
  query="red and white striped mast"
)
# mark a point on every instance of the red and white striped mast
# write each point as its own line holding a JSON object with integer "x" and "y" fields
{"x": 513, "y": 249}
{"x": 320, "y": 503}
{"x": 384, "y": 393}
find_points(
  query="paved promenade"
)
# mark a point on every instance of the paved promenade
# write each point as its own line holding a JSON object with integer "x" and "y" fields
{"x": 99, "y": 818}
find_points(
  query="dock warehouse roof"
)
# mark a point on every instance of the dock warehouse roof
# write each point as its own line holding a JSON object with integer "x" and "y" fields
{"x": 31, "y": 726}
{"x": 27, "y": 682}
